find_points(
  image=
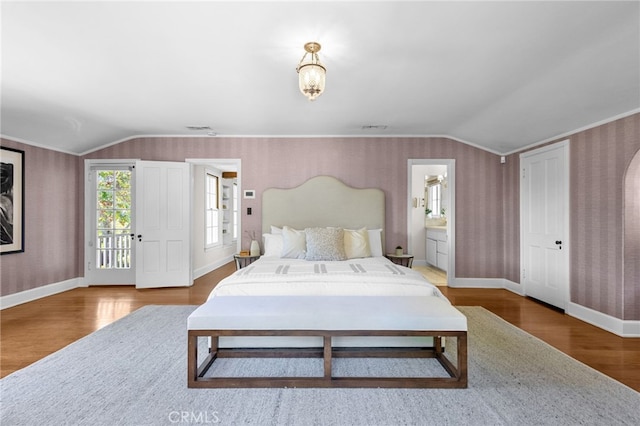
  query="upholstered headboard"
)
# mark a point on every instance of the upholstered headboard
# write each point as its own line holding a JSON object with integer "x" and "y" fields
{"x": 323, "y": 201}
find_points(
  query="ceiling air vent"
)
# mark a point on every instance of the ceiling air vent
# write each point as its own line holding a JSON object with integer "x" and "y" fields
{"x": 374, "y": 127}
{"x": 197, "y": 127}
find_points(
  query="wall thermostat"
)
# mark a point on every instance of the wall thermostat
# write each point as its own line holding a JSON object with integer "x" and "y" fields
{"x": 249, "y": 193}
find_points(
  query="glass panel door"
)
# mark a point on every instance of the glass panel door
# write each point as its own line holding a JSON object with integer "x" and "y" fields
{"x": 113, "y": 219}
{"x": 110, "y": 225}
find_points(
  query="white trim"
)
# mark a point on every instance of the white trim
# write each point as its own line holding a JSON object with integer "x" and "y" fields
{"x": 30, "y": 295}
{"x": 451, "y": 214}
{"x": 38, "y": 145}
{"x": 89, "y": 210}
{"x": 513, "y": 287}
{"x": 475, "y": 145}
{"x": 476, "y": 282}
{"x": 622, "y": 328}
{"x": 204, "y": 270}
{"x": 573, "y": 132}
{"x": 234, "y": 164}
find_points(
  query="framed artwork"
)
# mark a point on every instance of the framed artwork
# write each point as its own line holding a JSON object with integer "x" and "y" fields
{"x": 11, "y": 200}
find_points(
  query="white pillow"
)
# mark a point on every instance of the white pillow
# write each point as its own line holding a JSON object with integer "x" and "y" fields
{"x": 294, "y": 243}
{"x": 275, "y": 230}
{"x": 375, "y": 242}
{"x": 356, "y": 243}
{"x": 325, "y": 244}
{"x": 273, "y": 245}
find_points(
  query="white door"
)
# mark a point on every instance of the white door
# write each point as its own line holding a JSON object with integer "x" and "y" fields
{"x": 544, "y": 192}
{"x": 163, "y": 228}
{"x": 109, "y": 218}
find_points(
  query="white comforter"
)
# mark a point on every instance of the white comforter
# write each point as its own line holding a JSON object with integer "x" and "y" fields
{"x": 373, "y": 276}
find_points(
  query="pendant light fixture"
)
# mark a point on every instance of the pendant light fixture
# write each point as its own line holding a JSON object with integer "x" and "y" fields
{"x": 311, "y": 74}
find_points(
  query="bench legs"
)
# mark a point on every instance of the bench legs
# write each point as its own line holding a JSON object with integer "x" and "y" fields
{"x": 196, "y": 371}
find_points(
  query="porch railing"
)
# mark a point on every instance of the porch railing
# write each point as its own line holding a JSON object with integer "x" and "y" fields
{"x": 114, "y": 251}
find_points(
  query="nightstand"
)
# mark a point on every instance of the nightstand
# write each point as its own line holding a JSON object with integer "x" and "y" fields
{"x": 401, "y": 259}
{"x": 244, "y": 260}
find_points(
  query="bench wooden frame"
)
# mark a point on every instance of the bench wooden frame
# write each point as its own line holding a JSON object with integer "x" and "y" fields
{"x": 458, "y": 373}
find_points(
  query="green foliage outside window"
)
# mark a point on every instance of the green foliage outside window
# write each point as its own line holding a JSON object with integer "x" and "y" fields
{"x": 114, "y": 199}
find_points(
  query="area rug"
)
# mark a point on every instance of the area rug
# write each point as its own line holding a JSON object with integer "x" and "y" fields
{"x": 133, "y": 372}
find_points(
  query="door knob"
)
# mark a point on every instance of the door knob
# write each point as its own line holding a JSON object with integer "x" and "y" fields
{"x": 558, "y": 242}
{"x": 139, "y": 237}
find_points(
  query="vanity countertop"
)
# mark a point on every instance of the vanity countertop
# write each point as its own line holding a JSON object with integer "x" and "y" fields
{"x": 440, "y": 227}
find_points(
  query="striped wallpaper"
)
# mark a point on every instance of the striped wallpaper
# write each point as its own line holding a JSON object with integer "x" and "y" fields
{"x": 359, "y": 162}
{"x": 605, "y": 250}
{"x": 51, "y": 216}
{"x": 600, "y": 158}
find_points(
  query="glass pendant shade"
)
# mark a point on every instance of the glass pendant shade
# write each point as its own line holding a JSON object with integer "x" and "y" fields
{"x": 311, "y": 80}
{"x": 311, "y": 74}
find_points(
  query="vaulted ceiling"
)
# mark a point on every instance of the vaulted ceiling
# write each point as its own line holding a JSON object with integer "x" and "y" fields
{"x": 500, "y": 75}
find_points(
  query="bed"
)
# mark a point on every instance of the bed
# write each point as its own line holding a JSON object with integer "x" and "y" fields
{"x": 323, "y": 245}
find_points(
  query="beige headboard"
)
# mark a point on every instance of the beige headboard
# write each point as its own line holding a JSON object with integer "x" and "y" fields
{"x": 323, "y": 201}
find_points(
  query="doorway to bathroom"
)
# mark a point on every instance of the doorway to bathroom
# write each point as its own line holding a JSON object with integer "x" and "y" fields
{"x": 431, "y": 218}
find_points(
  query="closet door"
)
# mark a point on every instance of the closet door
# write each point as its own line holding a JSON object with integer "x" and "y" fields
{"x": 544, "y": 198}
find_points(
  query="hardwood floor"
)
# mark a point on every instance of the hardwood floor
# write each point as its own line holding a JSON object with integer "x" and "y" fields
{"x": 31, "y": 331}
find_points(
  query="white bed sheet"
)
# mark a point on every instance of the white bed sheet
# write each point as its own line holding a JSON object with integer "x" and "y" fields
{"x": 372, "y": 276}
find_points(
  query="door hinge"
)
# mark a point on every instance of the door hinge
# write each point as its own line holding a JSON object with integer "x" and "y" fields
{"x": 88, "y": 266}
{"x": 524, "y": 273}
{"x": 524, "y": 173}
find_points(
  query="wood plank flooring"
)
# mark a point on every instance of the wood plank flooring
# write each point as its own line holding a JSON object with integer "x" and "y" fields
{"x": 33, "y": 330}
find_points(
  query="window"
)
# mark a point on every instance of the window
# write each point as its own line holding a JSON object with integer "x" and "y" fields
{"x": 113, "y": 218}
{"x": 434, "y": 200}
{"x": 211, "y": 210}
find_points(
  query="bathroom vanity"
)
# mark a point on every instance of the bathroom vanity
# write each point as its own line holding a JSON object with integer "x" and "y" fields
{"x": 437, "y": 247}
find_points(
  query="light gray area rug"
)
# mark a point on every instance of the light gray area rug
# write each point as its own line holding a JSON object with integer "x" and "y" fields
{"x": 133, "y": 372}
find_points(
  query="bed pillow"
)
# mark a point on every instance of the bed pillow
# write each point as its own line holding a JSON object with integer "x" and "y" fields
{"x": 375, "y": 242}
{"x": 356, "y": 243}
{"x": 273, "y": 245}
{"x": 275, "y": 230}
{"x": 325, "y": 244}
{"x": 294, "y": 245}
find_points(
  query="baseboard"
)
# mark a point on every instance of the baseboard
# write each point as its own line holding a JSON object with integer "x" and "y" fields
{"x": 19, "y": 298}
{"x": 622, "y": 328}
{"x": 197, "y": 273}
{"x": 477, "y": 283}
{"x": 513, "y": 287}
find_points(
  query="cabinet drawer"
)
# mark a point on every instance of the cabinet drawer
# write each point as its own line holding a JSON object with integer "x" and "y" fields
{"x": 443, "y": 247}
{"x": 443, "y": 260}
{"x": 432, "y": 257}
{"x": 437, "y": 235}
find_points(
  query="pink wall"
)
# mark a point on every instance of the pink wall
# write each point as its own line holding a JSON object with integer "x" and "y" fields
{"x": 511, "y": 212}
{"x": 359, "y": 162}
{"x": 632, "y": 240}
{"x": 52, "y": 235}
{"x": 600, "y": 158}
{"x": 604, "y": 272}
{"x": 604, "y": 265}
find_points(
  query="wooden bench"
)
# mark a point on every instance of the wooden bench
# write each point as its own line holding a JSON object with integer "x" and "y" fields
{"x": 327, "y": 317}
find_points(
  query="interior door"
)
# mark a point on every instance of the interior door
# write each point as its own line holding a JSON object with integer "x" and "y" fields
{"x": 544, "y": 191}
{"x": 163, "y": 230}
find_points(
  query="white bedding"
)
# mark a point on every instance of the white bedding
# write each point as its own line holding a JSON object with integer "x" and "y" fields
{"x": 373, "y": 276}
